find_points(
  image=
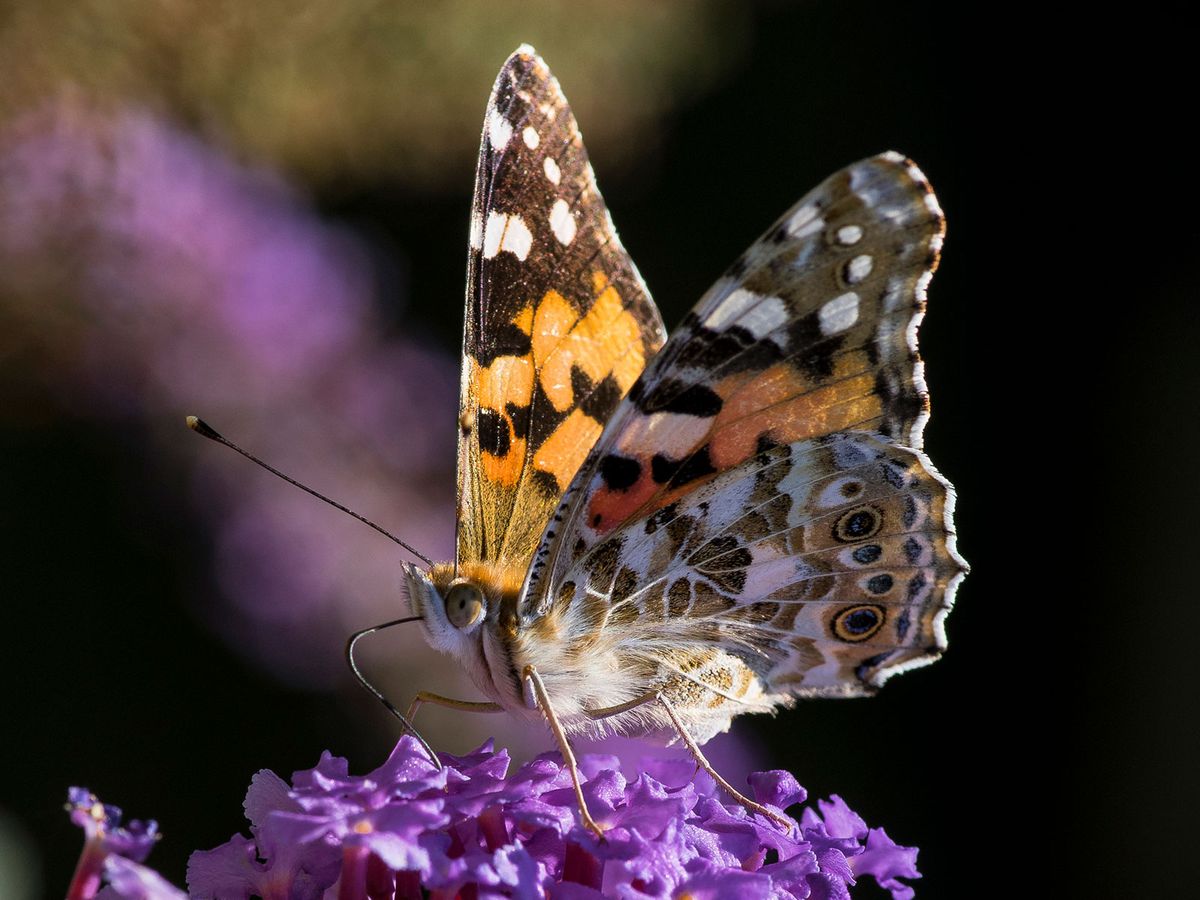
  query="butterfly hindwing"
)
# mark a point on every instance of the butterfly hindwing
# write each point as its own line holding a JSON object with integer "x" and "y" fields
{"x": 762, "y": 489}
{"x": 823, "y": 565}
{"x": 558, "y": 326}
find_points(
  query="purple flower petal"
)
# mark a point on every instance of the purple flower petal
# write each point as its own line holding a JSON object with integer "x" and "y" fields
{"x": 887, "y": 861}
{"x": 637, "y": 868}
{"x": 712, "y": 883}
{"x": 128, "y": 880}
{"x": 841, "y": 820}
{"x": 267, "y": 793}
{"x": 741, "y": 834}
{"x": 393, "y": 833}
{"x": 231, "y": 870}
{"x": 777, "y": 788}
{"x": 648, "y": 808}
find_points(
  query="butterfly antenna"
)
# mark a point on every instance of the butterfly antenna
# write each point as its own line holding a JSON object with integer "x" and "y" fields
{"x": 201, "y": 427}
{"x": 378, "y": 694}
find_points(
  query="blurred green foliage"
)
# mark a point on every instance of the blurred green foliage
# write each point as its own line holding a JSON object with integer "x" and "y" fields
{"x": 362, "y": 89}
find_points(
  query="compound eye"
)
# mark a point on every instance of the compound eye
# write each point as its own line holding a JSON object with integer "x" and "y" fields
{"x": 464, "y": 604}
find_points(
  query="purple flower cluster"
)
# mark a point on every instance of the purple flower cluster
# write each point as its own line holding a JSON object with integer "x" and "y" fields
{"x": 409, "y": 830}
{"x": 470, "y": 830}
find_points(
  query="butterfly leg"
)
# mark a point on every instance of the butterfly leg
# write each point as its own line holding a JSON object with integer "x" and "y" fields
{"x": 608, "y": 712}
{"x": 707, "y": 767}
{"x": 534, "y": 680}
{"x": 439, "y": 700}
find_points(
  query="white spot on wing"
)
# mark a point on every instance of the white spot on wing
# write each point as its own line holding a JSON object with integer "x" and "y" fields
{"x": 499, "y": 130}
{"x": 530, "y": 136}
{"x": 731, "y": 308}
{"x": 517, "y": 238}
{"x": 476, "y": 231}
{"x": 805, "y": 221}
{"x": 838, "y": 314}
{"x": 849, "y": 234}
{"x": 676, "y": 434}
{"x": 859, "y": 268}
{"x": 506, "y": 233}
{"x": 757, "y": 313}
{"x": 551, "y": 169}
{"x": 764, "y": 318}
{"x": 895, "y": 296}
{"x": 492, "y": 233}
{"x": 562, "y": 223}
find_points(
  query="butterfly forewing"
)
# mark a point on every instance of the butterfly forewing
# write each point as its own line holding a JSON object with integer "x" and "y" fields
{"x": 558, "y": 326}
{"x": 761, "y": 489}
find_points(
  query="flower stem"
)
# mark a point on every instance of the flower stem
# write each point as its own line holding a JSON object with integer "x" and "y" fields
{"x": 353, "y": 883}
{"x": 86, "y": 880}
{"x": 408, "y": 886}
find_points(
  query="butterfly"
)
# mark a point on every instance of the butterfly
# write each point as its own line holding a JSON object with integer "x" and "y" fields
{"x": 656, "y": 535}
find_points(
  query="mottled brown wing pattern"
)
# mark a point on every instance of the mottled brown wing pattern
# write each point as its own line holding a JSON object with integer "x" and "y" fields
{"x": 558, "y": 323}
{"x": 760, "y": 498}
{"x": 822, "y": 566}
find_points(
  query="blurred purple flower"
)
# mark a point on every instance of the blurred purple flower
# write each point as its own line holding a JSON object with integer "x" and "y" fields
{"x": 471, "y": 830}
{"x": 113, "y": 853}
{"x": 101, "y": 823}
{"x": 144, "y": 275}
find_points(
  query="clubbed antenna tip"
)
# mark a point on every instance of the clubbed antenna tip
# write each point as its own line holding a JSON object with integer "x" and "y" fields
{"x": 201, "y": 427}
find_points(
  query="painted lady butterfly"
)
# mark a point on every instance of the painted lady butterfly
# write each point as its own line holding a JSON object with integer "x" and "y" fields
{"x": 653, "y": 538}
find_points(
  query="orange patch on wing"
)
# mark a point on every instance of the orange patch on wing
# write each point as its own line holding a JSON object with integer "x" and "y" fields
{"x": 778, "y": 401}
{"x": 620, "y": 331}
{"x": 505, "y": 470}
{"x": 609, "y": 508}
{"x": 563, "y": 452}
{"x": 524, "y": 319}
{"x": 509, "y": 379}
{"x": 606, "y": 341}
{"x": 551, "y": 323}
{"x": 782, "y": 403}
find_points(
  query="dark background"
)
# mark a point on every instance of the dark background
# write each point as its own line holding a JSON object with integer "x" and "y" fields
{"x": 1056, "y": 740}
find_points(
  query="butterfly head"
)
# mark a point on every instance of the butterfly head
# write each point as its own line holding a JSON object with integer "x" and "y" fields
{"x": 451, "y": 608}
{"x": 454, "y": 605}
